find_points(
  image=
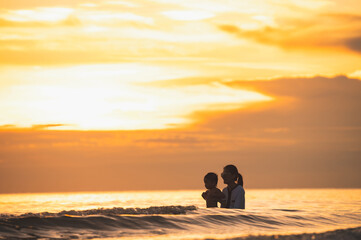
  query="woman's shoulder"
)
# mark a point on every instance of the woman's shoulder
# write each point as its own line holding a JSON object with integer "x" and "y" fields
{"x": 239, "y": 188}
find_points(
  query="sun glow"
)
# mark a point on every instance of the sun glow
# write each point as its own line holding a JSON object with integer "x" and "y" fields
{"x": 114, "y": 96}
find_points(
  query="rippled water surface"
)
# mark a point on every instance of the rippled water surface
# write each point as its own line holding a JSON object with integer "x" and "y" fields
{"x": 177, "y": 214}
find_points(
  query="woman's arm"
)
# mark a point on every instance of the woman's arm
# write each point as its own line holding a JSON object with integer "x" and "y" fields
{"x": 224, "y": 200}
{"x": 240, "y": 201}
{"x": 205, "y": 195}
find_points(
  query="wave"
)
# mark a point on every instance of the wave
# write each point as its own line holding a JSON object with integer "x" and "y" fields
{"x": 119, "y": 222}
{"x": 92, "y": 223}
{"x": 109, "y": 211}
{"x": 349, "y": 234}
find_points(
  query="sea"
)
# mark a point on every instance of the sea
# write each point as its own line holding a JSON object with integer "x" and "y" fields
{"x": 269, "y": 214}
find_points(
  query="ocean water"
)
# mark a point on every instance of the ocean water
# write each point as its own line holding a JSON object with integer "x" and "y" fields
{"x": 269, "y": 214}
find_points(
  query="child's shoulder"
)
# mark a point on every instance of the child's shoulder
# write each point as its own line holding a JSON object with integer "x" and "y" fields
{"x": 214, "y": 190}
{"x": 216, "y": 193}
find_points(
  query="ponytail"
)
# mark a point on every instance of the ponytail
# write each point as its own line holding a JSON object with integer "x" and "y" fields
{"x": 240, "y": 180}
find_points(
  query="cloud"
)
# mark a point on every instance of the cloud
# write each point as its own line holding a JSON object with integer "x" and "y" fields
{"x": 175, "y": 142}
{"x": 7, "y": 126}
{"x": 40, "y": 14}
{"x": 355, "y": 74}
{"x": 121, "y": 3}
{"x": 47, "y": 126}
{"x": 331, "y": 31}
{"x": 39, "y": 3}
{"x": 8, "y": 23}
{"x": 35, "y": 127}
{"x": 100, "y": 17}
{"x": 188, "y": 15}
{"x": 306, "y": 88}
{"x": 17, "y": 54}
{"x": 273, "y": 36}
{"x": 88, "y": 5}
{"x": 69, "y": 21}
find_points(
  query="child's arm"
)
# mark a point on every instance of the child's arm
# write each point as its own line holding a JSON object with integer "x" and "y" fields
{"x": 205, "y": 195}
{"x": 217, "y": 195}
{"x": 223, "y": 201}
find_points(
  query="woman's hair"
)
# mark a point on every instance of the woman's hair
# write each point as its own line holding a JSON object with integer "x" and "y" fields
{"x": 233, "y": 170}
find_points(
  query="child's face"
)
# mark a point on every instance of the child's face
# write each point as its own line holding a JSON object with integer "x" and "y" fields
{"x": 209, "y": 183}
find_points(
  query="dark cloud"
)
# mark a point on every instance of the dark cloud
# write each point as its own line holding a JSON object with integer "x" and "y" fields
{"x": 284, "y": 38}
{"x": 306, "y": 88}
{"x": 331, "y": 30}
{"x": 354, "y": 43}
{"x": 343, "y": 17}
{"x": 300, "y": 103}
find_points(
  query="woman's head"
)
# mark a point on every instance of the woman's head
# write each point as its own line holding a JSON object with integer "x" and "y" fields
{"x": 230, "y": 174}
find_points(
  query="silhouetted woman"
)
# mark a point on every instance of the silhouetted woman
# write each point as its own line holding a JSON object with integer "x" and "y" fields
{"x": 234, "y": 191}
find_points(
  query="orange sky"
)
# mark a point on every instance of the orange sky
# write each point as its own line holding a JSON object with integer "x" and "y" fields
{"x": 123, "y": 95}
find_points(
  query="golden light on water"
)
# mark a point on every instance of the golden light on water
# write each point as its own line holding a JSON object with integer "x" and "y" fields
{"x": 258, "y": 200}
{"x": 272, "y": 211}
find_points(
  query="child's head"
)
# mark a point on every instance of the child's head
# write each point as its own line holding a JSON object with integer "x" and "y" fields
{"x": 210, "y": 180}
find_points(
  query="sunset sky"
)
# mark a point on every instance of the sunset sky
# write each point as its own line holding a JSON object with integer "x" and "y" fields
{"x": 106, "y": 95}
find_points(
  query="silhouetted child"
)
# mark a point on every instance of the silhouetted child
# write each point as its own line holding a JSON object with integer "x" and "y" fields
{"x": 213, "y": 195}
